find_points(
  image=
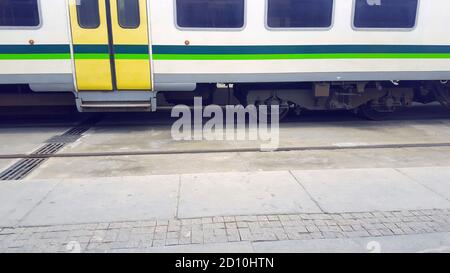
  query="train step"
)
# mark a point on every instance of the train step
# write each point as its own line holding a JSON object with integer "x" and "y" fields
{"x": 124, "y": 101}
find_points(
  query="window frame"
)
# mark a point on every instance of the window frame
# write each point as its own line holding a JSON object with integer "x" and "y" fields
{"x": 266, "y": 22}
{"x": 209, "y": 28}
{"x": 41, "y": 21}
{"x": 355, "y": 28}
{"x": 89, "y": 28}
{"x": 139, "y": 16}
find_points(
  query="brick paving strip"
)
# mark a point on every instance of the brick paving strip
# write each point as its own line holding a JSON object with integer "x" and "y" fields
{"x": 139, "y": 235}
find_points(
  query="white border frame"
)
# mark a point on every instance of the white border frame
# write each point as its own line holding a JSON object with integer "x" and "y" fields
{"x": 206, "y": 28}
{"x": 355, "y": 28}
{"x": 266, "y": 21}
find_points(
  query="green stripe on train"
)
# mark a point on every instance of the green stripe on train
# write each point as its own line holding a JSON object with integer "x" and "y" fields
{"x": 47, "y": 56}
{"x": 98, "y": 56}
{"x": 176, "y": 52}
{"x": 299, "y": 49}
{"x": 132, "y": 56}
{"x": 301, "y": 56}
{"x": 78, "y": 56}
{"x": 91, "y": 56}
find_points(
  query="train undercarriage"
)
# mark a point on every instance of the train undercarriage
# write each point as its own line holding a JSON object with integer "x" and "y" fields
{"x": 370, "y": 100}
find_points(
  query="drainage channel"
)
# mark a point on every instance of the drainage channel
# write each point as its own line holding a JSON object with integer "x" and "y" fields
{"x": 24, "y": 167}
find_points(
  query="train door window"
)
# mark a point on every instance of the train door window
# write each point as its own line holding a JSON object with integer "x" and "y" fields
{"x": 128, "y": 13}
{"x": 299, "y": 13}
{"x": 88, "y": 14}
{"x": 385, "y": 14}
{"x": 19, "y": 13}
{"x": 210, "y": 13}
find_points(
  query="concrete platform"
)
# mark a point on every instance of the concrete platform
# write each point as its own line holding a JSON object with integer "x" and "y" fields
{"x": 286, "y": 211}
{"x": 113, "y": 166}
{"x": 222, "y": 194}
{"x": 145, "y": 138}
{"x": 369, "y": 190}
{"x": 241, "y": 247}
{"x": 68, "y": 201}
{"x": 435, "y": 179}
{"x": 18, "y": 199}
{"x": 424, "y": 243}
{"x": 109, "y": 199}
{"x": 26, "y": 140}
{"x": 5, "y": 163}
{"x": 364, "y": 133}
{"x": 151, "y": 137}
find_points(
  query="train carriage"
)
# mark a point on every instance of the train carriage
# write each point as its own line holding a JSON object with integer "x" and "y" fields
{"x": 369, "y": 55}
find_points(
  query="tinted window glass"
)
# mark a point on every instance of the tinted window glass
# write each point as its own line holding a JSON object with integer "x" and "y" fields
{"x": 299, "y": 13}
{"x": 88, "y": 13}
{"x": 385, "y": 13}
{"x": 19, "y": 13}
{"x": 128, "y": 13}
{"x": 210, "y": 13}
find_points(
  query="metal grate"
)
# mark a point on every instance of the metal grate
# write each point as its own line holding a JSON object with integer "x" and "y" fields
{"x": 77, "y": 131}
{"x": 21, "y": 169}
{"x": 49, "y": 149}
{"x": 63, "y": 139}
{"x": 83, "y": 127}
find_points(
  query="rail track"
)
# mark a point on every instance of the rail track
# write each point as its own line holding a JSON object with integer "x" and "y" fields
{"x": 215, "y": 151}
{"x": 25, "y": 163}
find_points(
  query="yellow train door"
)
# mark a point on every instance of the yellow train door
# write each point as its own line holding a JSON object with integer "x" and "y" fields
{"x": 111, "y": 45}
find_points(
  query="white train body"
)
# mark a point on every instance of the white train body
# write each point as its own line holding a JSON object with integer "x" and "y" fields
{"x": 181, "y": 58}
{"x": 431, "y": 29}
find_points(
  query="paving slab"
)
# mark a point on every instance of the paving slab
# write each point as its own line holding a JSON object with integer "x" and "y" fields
{"x": 308, "y": 246}
{"x": 354, "y": 190}
{"x": 26, "y": 140}
{"x": 18, "y": 198}
{"x": 240, "y": 247}
{"x": 114, "y": 166}
{"x": 427, "y": 243}
{"x": 107, "y": 199}
{"x": 420, "y": 243}
{"x": 220, "y": 194}
{"x": 85, "y": 167}
{"x": 436, "y": 179}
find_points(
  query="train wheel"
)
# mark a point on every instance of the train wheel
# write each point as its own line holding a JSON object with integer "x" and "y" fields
{"x": 367, "y": 111}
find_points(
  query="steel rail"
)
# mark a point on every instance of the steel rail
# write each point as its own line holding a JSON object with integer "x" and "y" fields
{"x": 236, "y": 150}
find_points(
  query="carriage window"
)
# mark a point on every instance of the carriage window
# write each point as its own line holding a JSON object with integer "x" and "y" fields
{"x": 385, "y": 13}
{"x": 19, "y": 13}
{"x": 88, "y": 14}
{"x": 299, "y": 13}
{"x": 128, "y": 12}
{"x": 210, "y": 13}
